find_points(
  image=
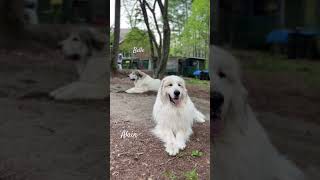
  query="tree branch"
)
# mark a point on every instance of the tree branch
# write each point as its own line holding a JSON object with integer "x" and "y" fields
{"x": 161, "y": 6}
{"x": 152, "y": 39}
{"x": 145, "y": 16}
{"x": 155, "y": 20}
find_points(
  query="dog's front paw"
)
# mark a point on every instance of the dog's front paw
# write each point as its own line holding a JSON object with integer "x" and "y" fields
{"x": 181, "y": 145}
{"x": 172, "y": 149}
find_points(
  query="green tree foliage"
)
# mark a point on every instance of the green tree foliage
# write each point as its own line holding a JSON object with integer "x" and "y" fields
{"x": 189, "y": 27}
{"x": 179, "y": 11}
{"x": 193, "y": 40}
{"x": 135, "y": 38}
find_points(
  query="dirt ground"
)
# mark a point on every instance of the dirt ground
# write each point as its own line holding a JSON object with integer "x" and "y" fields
{"x": 41, "y": 138}
{"x": 144, "y": 157}
{"x": 288, "y": 108}
{"x": 53, "y": 140}
{"x": 284, "y": 104}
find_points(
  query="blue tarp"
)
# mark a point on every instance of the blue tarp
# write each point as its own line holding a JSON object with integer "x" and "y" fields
{"x": 197, "y": 72}
{"x": 280, "y": 36}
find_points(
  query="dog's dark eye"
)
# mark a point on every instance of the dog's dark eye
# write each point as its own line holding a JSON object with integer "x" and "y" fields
{"x": 170, "y": 85}
{"x": 221, "y": 74}
{"x": 179, "y": 84}
{"x": 75, "y": 39}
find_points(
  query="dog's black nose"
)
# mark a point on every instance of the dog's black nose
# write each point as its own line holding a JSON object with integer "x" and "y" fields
{"x": 176, "y": 93}
{"x": 217, "y": 99}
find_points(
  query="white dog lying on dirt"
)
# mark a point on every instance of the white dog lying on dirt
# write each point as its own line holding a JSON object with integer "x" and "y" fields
{"x": 85, "y": 48}
{"x": 242, "y": 149}
{"x": 143, "y": 82}
{"x": 174, "y": 114}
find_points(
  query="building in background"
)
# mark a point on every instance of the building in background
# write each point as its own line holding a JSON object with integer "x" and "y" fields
{"x": 136, "y": 57}
{"x": 245, "y": 23}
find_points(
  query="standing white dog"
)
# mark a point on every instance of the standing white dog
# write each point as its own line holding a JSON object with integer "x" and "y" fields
{"x": 174, "y": 114}
{"x": 242, "y": 149}
{"x": 143, "y": 82}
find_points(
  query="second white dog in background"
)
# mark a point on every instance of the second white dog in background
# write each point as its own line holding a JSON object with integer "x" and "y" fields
{"x": 174, "y": 114}
{"x": 143, "y": 82}
{"x": 85, "y": 48}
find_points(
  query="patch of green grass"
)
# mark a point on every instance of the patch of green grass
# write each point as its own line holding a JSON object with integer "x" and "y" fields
{"x": 196, "y": 153}
{"x": 197, "y": 82}
{"x": 272, "y": 63}
{"x": 268, "y": 63}
{"x": 191, "y": 175}
{"x": 170, "y": 175}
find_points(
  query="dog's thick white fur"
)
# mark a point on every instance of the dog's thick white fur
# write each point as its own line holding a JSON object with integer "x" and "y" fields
{"x": 174, "y": 114}
{"x": 85, "y": 49}
{"x": 143, "y": 82}
{"x": 242, "y": 150}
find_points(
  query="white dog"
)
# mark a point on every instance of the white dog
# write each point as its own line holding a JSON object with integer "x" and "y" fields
{"x": 174, "y": 114}
{"x": 143, "y": 82}
{"x": 30, "y": 11}
{"x": 242, "y": 149}
{"x": 85, "y": 48}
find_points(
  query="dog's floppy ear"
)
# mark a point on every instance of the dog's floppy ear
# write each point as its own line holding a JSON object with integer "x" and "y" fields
{"x": 240, "y": 104}
{"x": 161, "y": 92}
{"x": 92, "y": 38}
{"x": 139, "y": 73}
{"x": 184, "y": 85}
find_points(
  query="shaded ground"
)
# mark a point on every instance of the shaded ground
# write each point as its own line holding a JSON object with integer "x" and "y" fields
{"x": 144, "y": 157}
{"x": 43, "y": 138}
{"x": 287, "y": 87}
{"x": 53, "y": 140}
{"x": 286, "y": 95}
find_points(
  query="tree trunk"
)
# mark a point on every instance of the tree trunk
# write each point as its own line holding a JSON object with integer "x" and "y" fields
{"x": 115, "y": 49}
{"x": 163, "y": 47}
{"x": 162, "y": 62}
{"x": 11, "y": 21}
{"x": 108, "y": 39}
{"x": 152, "y": 39}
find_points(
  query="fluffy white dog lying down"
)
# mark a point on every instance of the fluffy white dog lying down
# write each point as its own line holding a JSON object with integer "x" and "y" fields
{"x": 143, "y": 82}
{"x": 174, "y": 114}
{"x": 85, "y": 48}
{"x": 242, "y": 149}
